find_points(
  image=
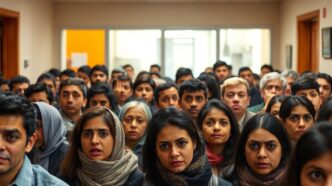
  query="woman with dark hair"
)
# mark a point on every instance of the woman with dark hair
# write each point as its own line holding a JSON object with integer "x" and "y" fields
{"x": 97, "y": 154}
{"x": 273, "y": 107}
{"x": 174, "y": 152}
{"x": 144, "y": 88}
{"x": 212, "y": 85}
{"x": 221, "y": 133}
{"x": 135, "y": 116}
{"x": 298, "y": 115}
{"x": 312, "y": 157}
{"x": 51, "y": 141}
{"x": 325, "y": 111}
{"x": 263, "y": 152}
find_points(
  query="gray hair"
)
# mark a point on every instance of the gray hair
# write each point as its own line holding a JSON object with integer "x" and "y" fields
{"x": 290, "y": 73}
{"x": 272, "y": 76}
{"x": 140, "y": 104}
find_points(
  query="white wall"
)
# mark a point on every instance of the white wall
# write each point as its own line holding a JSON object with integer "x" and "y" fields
{"x": 290, "y": 9}
{"x": 168, "y": 15}
{"x": 35, "y": 37}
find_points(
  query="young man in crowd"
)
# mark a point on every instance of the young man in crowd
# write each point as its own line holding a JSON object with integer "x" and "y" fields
{"x": 84, "y": 73}
{"x": 193, "y": 96}
{"x": 183, "y": 74}
{"x": 19, "y": 84}
{"x": 166, "y": 95}
{"x": 99, "y": 73}
{"x": 39, "y": 93}
{"x": 325, "y": 82}
{"x": 221, "y": 70}
{"x": 122, "y": 88}
{"x": 17, "y": 137}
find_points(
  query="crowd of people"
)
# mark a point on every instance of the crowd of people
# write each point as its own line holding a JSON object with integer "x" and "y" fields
{"x": 95, "y": 127}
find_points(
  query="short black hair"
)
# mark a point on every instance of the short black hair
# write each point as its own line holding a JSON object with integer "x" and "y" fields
{"x": 122, "y": 78}
{"x": 304, "y": 84}
{"x": 127, "y": 65}
{"x": 18, "y": 79}
{"x": 193, "y": 85}
{"x": 55, "y": 72}
{"x": 155, "y": 66}
{"x": 242, "y": 69}
{"x": 102, "y": 68}
{"x": 77, "y": 82}
{"x": 68, "y": 72}
{"x": 4, "y": 82}
{"x": 13, "y": 104}
{"x": 219, "y": 64}
{"x": 162, "y": 87}
{"x": 85, "y": 69}
{"x": 144, "y": 80}
{"x": 39, "y": 88}
{"x": 325, "y": 76}
{"x": 47, "y": 76}
{"x": 182, "y": 71}
{"x": 268, "y": 67}
{"x": 103, "y": 88}
{"x": 212, "y": 85}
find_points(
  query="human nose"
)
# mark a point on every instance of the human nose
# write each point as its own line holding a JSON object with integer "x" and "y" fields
{"x": 174, "y": 151}
{"x": 262, "y": 153}
{"x": 301, "y": 123}
{"x": 95, "y": 138}
{"x": 133, "y": 124}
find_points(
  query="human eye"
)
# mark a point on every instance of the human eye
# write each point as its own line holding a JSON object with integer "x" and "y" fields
{"x": 140, "y": 120}
{"x": 209, "y": 122}
{"x": 163, "y": 146}
{"x": 103, "y": 103}
{"x": 254, "y": 145}
{"x": 316, "y": 175}
{"x": 269, "y": 87}
{"x": 199, "y": 98}
{"x": 103, "y": 133}
{"x": 165, "y": 99}
{"x": 175, "y": 98}
{"x": 275, "y": 113}
{"x": 230, "y": 95}
{"x": 188, "y": 99}
{"x": 12, "y": 137}
{"x": 139, "y": 89}
{"x": 242, "y": 95}
{"x": 93, "y": 103}
{"x": 181, "y": 143}
{"x": 294, "y": 118}
{"x": 87, "y": 134}
{"x": 313, "y": 94}
{"x": 128, "y": 119}
{"x": 307, "y": 117}
{"x": 271, "y": 145}
{"x": 224, "y": 122}
{"x": 76, "y": 95}
{"x": 326, "y": 87}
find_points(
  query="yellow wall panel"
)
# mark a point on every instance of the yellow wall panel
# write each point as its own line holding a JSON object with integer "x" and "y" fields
{"x": 91, "y": 42}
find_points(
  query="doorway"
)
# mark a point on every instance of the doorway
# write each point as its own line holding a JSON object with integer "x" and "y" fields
{"x": 9, "y": 25}
{"x": 307, "y": 41}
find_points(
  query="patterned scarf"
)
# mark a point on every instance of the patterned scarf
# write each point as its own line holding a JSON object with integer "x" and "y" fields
{"x": 213, "y": 159}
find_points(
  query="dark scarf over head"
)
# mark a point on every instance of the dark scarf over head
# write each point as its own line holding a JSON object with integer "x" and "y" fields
{"x": 198, "y": 173}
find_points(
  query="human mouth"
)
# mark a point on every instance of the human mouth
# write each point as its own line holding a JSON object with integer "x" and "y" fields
{"x": 176, "y": 163}
{"x": 95, "y": 152}
{"x": 216, "y": 135}
{"x": 263, "y": 165}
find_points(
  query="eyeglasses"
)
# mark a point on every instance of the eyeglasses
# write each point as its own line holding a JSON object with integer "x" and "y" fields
{"x": 295, "y": 118}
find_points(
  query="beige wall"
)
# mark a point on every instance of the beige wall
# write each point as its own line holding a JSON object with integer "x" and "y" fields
{"x": 35, "y": 37}
{"x": 290, "y": 9}
{"x": 170, "y": 15}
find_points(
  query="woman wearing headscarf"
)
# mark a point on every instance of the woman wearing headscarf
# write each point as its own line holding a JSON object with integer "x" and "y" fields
{"x": 51, "y": 138}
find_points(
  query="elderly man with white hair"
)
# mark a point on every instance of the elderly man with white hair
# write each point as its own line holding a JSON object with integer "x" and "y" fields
{"x": 270, "y": 85}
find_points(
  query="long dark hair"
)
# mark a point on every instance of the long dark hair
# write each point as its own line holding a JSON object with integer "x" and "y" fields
{"x": 292, "y": 101}
{"x": 167, "y": 116}
{"x": 274, "y": 126}
{"x": 229, "y": 149}
{"x": 312, "y": 144}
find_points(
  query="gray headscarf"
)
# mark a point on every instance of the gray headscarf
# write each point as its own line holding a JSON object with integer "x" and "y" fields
{"x": 54, "y": 132}
{"x": 116, "y": 170}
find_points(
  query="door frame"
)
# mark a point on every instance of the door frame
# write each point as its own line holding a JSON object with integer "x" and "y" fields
{"x": 306, "y": 59}
{"x": 10, "y": 58}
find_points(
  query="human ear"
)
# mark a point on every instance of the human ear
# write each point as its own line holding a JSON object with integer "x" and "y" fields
{"x": 31, "y": 142}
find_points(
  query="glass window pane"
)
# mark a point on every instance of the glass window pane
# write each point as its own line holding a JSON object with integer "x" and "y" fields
{"x": 84, "y": 47}
{"x": 195, "y": 49}
{"x": 245, "y": 47}
{"x": 140, "y": 48}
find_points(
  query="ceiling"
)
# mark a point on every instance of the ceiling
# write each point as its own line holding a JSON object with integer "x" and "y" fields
{"x": 166, "y": 0}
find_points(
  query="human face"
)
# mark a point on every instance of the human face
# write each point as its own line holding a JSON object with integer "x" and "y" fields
{"x": 247, "y": 75}
{"x": 324, "y": 89}
{"x": 130, "y": 72}
{"x": 174, "y": 148}
{"x": 96, "y": 139}
{"x": 264, "y": 71}
{"x": 13, "y": 145}
{"x": 262, "y": 151}
{"x": 317, "y": 172}
{"x": 4, "y": 88}
{"x": 275, "y": 109}
{"x": 115, "y": 75}
{"x": 298, "y": 122}
{"x": 122, "y": 90}
{"x": 290, "y": 82}
{"x": 216, "y": 128}
{"x": 183, "y": 78}
{"x": 98, "y": 76}
{"x": 222, "y": 72}
{"x": 19, "y": 88}
{"x": 312, "y": 95}
{"x": 49, "y": 83}
{"x": 154, "y": 69}
{"x": 38, "y": 96}
{"x": 192, "y": 102}
{"x": 237, "y": 98}
{"x": 99, "y": 100}
{"x": 72, "y": 100}
{"x": 144, "y": 91}
{"x": 40, "y": 142}
{"x": 168, "y": 97}
{"x": 134, "y": 124}
{"x": 272, "y": 88}
{"x": 85, "y": 77}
